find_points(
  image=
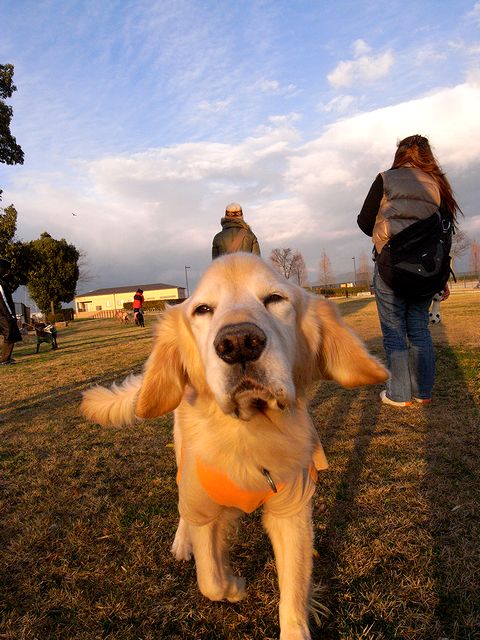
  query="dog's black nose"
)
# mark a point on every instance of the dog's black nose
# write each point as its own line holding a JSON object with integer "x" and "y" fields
{"x": 243, "y": 342}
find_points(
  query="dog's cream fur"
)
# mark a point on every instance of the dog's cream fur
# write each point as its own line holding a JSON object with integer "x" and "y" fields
{"x": 247, "y": 416}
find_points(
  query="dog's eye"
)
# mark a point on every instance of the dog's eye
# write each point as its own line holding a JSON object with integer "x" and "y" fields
{"x": 202, "y": 309}
{"x": 272, "y": 299}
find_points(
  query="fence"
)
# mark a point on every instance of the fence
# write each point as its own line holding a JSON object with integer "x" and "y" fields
{"x": 152, "y": 305}
{"x": 464, "y": 281}
{"x": 149, "y": 305}
{"x": 339, "y": 290}
{"x": 106, "y": 313}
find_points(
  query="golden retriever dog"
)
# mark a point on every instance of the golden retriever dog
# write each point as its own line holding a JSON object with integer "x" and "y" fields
{"x": 235, "y": 362}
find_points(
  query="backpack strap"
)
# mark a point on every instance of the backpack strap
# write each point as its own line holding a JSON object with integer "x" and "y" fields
{"x": 237, "y": 241}
{"x": 451, "y": 273}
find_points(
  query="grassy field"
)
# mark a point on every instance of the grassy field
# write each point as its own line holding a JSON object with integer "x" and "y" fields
{"x": 87, "y": 515}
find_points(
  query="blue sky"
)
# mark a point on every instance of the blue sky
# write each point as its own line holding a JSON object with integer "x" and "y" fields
{"x": 147, "y": 118}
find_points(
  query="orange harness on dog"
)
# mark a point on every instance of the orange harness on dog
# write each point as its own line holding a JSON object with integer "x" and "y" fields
{"x": 226, "y": 493}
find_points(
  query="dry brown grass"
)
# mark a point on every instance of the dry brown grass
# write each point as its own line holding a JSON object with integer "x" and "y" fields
{"x": 88, "y": 514}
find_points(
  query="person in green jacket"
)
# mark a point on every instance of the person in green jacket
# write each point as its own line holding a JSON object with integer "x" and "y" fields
{"x": 235, "y": 235}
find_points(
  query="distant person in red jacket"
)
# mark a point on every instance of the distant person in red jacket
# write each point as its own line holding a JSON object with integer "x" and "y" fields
{"x": 138, "y": 301}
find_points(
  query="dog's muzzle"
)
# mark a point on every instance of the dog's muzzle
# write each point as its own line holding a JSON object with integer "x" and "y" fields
{"x": 240, "y": 346}
{"x": 250, "y": 397}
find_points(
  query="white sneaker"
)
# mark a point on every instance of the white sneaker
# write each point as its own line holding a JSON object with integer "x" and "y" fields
{"x": 386, "y": 400}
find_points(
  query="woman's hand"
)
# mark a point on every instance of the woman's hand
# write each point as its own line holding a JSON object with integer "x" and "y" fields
{"x": 445, "y": 292}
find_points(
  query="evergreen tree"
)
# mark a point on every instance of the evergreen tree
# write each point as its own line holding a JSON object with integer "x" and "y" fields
{"x": 17, "y": 252}
{"x": 54, "y": 272}
{"x": 10, "y": 151}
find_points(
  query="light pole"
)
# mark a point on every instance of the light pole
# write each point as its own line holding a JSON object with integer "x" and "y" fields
{"x": 354, "y": 271}
{"x": 186, "y": 280}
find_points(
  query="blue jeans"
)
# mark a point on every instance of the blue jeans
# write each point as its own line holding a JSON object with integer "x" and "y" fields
{"x": 407, "y": 343}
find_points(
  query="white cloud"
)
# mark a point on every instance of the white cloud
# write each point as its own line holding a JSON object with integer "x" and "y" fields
{"x": 472, "y": 48}
{"x": 474, "y": 14}
{"x": 339, "y": 104}
{"x": 363, "y": 68}
{"x": 473, "y": 76}
{"x": 429, "y": 54}
{"x": 273, "y": 87}
{"x": 360, "y": 47}
{"x": 147, "y": 132}
{"x": 141, "y": 217}
{"x": 216, "y": 106}
{"x": 331, "y": 175}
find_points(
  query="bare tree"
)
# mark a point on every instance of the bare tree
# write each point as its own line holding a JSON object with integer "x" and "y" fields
{"x": 460, "y": 244}
{"x": 291, "y": 264}
{"x": 299, "y": 270}
{"x": 364, "y": 271}
{"x": 84, "y": 275}
{"x": 475, "y": 257}
{"x": 281, "y": 259}
{"x": 325, "y": 270}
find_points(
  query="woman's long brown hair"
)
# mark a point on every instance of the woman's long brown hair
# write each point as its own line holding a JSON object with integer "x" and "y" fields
{"x": 415, "y": 151}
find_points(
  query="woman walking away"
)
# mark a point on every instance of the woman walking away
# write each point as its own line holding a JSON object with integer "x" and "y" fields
{"x": 414, "y": 189}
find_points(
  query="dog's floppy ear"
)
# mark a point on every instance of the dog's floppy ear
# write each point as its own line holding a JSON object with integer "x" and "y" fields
{"x": 164, "y": 377}
{"x": 340, "y": 355}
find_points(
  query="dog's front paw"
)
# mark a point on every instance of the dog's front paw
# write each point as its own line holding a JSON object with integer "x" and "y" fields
{"x": 182, "y": 545}
{"x": 182, "y": 549}
{"x": 231, "y": 588}
{"x": 235, "y": 589}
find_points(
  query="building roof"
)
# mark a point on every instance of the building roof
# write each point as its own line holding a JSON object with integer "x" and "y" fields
{"x": 127, "y": 289}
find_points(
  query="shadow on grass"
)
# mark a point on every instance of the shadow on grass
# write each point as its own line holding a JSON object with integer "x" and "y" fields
{"x": 448, "y": 437}
{"x": 42, "y": 403}
{"x": 452, "y": 454}
{"x": 341, "y": 512}
{"x": 353, "y": 305}
{"x": 77, "y": 345}
{"x": 350, "y": 422}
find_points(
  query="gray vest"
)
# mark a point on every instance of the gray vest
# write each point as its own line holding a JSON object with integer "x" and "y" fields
{"x": 409, "y": 194}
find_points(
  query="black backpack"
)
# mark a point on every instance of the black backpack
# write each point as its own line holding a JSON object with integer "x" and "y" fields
{"x": 415, "y": 263}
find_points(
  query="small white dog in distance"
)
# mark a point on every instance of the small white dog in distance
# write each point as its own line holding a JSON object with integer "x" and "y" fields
{"x": 434, "y": 313}
{"x": 235, "y": 362}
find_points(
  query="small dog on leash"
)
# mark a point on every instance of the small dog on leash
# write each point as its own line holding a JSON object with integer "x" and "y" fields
{"x": 139, "y": 319}
{"x": 46, "y": 333}
{"x": 235, "y": 362}
{"x": 434, "y": 313}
